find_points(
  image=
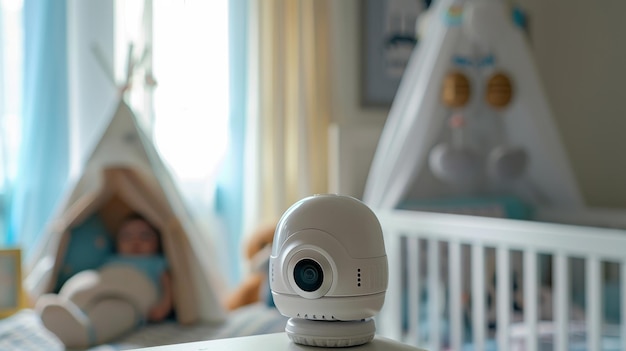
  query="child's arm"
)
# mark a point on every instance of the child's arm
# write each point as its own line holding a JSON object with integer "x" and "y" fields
{"x": 164, "y": 306}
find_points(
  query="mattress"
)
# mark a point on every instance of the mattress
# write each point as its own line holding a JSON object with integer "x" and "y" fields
{"x": 546, "y": 330}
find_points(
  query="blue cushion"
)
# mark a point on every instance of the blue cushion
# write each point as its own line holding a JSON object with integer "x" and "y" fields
{"x": 497, "y": 206}
{"x": 89, "y": 245}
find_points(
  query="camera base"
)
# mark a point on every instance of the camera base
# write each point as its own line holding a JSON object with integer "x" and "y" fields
{"x": 330, "y": 333}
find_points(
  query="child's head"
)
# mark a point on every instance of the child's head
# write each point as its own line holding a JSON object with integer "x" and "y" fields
{"x": 137, "y": 237}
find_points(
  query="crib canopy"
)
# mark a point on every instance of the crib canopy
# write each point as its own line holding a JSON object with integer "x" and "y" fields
{"x": 474, "y": 39}
{"x": 125, "y": 174}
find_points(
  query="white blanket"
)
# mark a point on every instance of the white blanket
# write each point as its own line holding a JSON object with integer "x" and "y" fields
{"x": 25, "y": 332}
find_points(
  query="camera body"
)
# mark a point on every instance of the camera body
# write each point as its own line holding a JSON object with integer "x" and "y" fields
{"x": 328, "y": 260}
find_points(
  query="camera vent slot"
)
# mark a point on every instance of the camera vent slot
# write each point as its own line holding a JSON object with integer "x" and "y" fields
{"x": 316, "y": 317}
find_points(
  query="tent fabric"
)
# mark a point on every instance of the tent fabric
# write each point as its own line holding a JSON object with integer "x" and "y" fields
{"x": 124, "y": 174}
{"x": 417, "y": 117}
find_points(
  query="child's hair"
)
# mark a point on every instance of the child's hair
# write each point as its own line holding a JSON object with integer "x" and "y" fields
{"x": 135, "y": 216}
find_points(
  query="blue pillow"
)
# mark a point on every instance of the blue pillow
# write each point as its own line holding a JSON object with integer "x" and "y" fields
{"x": 493, "y": 206}
{"x": 89, "y": 245}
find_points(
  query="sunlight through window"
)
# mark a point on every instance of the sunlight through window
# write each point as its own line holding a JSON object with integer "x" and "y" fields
{"x": 190, "y": 66}
{"x": 191, "y": 99}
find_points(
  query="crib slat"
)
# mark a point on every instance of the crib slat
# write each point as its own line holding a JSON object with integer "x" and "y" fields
{"x": 530, "y": 298}
{"x": 433, "y": 294}
{"x": 594, "y": 303}
{"x": 561, "y": 302}
{"x": 414, "y": 280}
{"x": 503, "y": 291}
{"x": 622, "y": 269}
{"x": 478, "y": 296}
{"x": 456, "y": 308}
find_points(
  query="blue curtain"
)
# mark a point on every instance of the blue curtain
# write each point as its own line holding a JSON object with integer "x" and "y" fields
{"x": 229, "y": 195}
{"x": 3, "y": 145}
{"x": 44, "y": 157}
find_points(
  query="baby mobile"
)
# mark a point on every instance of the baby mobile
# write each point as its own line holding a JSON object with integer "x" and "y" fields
{"x": 473, "y": 85}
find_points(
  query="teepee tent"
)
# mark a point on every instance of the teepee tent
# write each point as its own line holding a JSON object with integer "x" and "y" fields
{"x": 470, "y": 41}
{"x": 124, "y": 174}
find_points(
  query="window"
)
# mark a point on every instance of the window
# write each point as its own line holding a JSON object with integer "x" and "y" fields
{"x": 190, "y": 65}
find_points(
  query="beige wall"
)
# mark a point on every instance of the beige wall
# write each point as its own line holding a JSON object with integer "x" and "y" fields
{"x": 346, "y": 68}
{"x": 580, "y": 52}
{"x": 356, "y": 128}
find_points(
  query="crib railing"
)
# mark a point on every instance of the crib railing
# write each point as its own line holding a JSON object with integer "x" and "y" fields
{"x": 455, "y": 259}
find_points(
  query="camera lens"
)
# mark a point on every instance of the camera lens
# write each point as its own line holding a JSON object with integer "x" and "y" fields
{"x": 308, "y": 275}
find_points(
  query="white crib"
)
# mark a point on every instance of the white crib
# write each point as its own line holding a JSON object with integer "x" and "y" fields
{"x": 453, "y": 260}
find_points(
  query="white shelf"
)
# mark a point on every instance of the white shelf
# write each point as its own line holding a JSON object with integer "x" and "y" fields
{"x": 275, "y": 342}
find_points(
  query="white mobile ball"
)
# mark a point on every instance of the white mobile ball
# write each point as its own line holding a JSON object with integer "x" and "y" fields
{"x": 455, "y": 165}
{"x": 507, "y": 163}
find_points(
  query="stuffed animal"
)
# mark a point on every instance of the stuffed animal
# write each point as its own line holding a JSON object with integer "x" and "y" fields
{"x": 255, "y": 287}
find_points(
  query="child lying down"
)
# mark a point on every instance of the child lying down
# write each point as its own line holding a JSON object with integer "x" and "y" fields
{"x": 131, "y": 287}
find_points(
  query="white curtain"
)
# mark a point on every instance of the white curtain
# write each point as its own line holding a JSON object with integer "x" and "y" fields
{"x": 289, "y": 110}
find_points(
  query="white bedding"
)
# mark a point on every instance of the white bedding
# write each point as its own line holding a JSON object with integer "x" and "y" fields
{"x": 24, "y": 331}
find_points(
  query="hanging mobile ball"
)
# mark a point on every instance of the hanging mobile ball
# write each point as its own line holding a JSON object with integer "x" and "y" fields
{"x": 455, "y": 163}
{"x": 499, "y": 91}
{"x": 456, "y": 89}
{"x": 504, "y": 162}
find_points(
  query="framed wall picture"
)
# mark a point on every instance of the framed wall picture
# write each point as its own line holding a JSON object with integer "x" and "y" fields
{"x": 10, "y": 281}
{"x": 388, "y": 37}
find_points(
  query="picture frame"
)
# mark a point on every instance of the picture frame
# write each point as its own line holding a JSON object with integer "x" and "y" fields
{"x": 10, "y": 281}
{"x": 388, "y": 37}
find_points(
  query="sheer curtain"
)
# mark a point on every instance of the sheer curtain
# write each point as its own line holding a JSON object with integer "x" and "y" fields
{"x": 289, "y": 113}
{"x": 43, "y": 161}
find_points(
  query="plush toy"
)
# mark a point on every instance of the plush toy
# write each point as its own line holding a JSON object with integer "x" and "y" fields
{"x": 255, "y": 287}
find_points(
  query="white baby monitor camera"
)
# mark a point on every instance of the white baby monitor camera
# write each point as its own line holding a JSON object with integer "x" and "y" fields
{"x": 328, "y": 271}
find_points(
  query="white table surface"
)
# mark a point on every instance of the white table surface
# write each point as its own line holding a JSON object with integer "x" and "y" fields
{"x": 275, "y": 342}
